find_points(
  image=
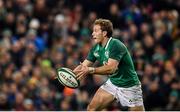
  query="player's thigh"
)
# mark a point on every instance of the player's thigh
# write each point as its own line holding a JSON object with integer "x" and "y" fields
{"x": 100, "y": 100}
{"x": 137, "y": 108}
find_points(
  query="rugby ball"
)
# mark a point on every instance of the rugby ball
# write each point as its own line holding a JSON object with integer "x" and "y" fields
{"x": 67, "y": 78}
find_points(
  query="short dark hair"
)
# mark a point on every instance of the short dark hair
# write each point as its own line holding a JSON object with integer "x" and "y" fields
{"x": 106, "y": 25}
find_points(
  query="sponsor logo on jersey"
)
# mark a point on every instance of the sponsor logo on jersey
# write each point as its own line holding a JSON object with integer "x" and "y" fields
{"x": 107, "y": 54}
{"x": 96, "y": 54}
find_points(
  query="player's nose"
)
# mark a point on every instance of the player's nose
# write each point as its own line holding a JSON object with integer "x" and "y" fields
{"x": 92, "y": 33}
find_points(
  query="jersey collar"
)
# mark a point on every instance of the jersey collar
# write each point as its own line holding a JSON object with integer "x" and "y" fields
{"x": 107, "y": 44}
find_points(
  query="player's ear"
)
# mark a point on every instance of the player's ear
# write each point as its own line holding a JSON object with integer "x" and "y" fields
{"x": 104, "y": 33}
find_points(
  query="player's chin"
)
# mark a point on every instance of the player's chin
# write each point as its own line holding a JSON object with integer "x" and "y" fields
{"x": 96, "y": 41}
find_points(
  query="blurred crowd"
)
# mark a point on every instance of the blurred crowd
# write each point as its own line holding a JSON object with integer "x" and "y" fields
{"x": 39, "y": 36}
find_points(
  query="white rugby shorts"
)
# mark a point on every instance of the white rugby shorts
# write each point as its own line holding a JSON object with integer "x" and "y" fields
{"x": 129, "y": 97}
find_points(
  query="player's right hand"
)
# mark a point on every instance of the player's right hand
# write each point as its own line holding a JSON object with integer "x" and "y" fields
{"x": 77, "y": 69}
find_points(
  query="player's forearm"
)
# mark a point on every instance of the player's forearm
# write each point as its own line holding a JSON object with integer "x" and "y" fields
{"x": 103, "y": 70}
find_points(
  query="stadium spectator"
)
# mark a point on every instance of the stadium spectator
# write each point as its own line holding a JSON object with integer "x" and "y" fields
{"x": 37, "y": 37}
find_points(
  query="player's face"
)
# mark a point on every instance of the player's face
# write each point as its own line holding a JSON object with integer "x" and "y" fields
{"x": 97, "y": 34}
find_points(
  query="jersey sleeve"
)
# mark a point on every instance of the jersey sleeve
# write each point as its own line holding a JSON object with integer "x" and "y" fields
{"x": 91, "y": 56}
{"x": 117, "y": 51}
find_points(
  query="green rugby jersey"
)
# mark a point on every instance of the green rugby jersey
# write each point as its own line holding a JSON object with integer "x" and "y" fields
{"x": 126, "y": 75}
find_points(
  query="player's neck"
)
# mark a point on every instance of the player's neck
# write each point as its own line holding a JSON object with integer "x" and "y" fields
{"x": 105, "y": 40}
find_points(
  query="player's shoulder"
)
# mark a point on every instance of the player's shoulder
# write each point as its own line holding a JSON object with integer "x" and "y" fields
{"x": 117, "y": 42}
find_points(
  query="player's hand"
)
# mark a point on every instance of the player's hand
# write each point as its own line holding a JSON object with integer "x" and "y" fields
{"x": 77, "y": 69}
{"x": 82, "y": 72}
